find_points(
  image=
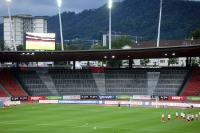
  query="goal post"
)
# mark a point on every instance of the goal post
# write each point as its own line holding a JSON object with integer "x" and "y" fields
{"x": 150, "y": 102}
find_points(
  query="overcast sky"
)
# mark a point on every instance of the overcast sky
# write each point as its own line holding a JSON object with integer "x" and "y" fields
{"x": 47, "y": 7}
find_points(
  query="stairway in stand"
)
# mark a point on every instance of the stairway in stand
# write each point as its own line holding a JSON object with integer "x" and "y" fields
{"x": 2, "y": 93}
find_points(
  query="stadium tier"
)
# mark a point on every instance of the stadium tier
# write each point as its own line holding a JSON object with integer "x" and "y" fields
{"x": 170, "y": 81}
{"x": 34, "y": 84}
{"x": 69, "y": 82}
{"x": 119, "y": 81}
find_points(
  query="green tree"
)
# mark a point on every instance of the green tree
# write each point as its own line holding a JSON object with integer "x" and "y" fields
{"x": 196, "y": 34}
{"x": 58, "y": 47}
{"x": 27, "y": 63}
{"x": 195, "y": 61}
{"x": 20, "y": 48}
{"x": 114, "y": 63}
{"x": 73, "y": 47}
{"x": 127, "y": 62}
{"x": 120, "y": 42}
{"x": 61, "y": 63}
{"x": 144, "y": 62}
{"x": 95, "y": 47}
{"x": 2, "y": 45}
{"x": 82, "y": 47}
{"x": 172, "y": 61}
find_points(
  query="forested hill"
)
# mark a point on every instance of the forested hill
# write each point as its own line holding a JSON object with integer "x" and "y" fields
{"x": 133, "y": 17}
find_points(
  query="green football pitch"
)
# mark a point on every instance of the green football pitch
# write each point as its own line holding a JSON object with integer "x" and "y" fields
{"x": 63, "y": 118}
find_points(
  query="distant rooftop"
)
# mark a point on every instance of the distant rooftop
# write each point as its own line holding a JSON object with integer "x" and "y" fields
{"x": 24, "y": 16}
{"x": 165, "y": 43}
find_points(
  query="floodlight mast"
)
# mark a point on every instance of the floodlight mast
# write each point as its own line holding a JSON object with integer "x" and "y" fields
{"x": 61, "y": 35}
{"x": 110, "y": 6}
{"x": 11, "y": 26}
{"x": 158, "y": 39}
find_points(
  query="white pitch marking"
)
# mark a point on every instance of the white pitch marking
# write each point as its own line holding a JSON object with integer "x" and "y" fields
{"x": 160, "y": 130}
{"x": 44, "y": 124}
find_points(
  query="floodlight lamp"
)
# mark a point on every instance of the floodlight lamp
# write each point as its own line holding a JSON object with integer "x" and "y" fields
{"x": 8, "y": 0}
{"x": 59, "y": 3}
{"x": 110, "y": 4}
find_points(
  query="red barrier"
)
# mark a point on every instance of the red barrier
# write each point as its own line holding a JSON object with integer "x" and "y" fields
{"x": 24, "y": 68}
{"x": 98, "y": 69}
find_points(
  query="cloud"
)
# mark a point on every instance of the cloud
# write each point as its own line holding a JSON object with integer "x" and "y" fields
{"x": 47, "y": 7}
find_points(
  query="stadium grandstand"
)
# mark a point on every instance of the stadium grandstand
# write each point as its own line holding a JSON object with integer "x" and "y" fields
{"x": 53, "y": 81}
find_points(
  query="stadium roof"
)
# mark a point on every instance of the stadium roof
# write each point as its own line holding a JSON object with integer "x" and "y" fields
{"x": 114, "y": 54}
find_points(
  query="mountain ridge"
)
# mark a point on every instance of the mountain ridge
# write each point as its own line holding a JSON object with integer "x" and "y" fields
{"x": 133, "y": 17}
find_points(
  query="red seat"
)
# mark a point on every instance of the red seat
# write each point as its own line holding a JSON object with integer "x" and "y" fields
{"x": 10, "y": 84}
{"x": 193, "y": 86}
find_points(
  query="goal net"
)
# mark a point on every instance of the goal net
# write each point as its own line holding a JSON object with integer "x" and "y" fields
{"x": 150, "y": 102}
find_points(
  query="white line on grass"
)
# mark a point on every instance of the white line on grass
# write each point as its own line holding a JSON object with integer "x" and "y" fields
{"x": 160, "y": 130}
{"x": 14, "y": 122}
{"x": 103, "y": 127}
{"x": 69, "y": 125}
{"x": 46, "y": 124}
{"x": 85, "y": 123}
{"x": 94, "y": 110}
{"x": 23, "y": 129}
{"x": 135, "y": 129}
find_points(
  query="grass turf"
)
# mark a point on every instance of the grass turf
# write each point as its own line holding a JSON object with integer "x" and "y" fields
{"x": 62, "y": 118}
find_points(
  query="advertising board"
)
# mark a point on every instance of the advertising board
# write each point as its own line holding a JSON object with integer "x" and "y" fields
{"x": 54, "y": 97}
{"x": 141, "y": 97}
{"x": 78, "y": 101}
{"x": 163, "y": 97}
{"x": 106, "y": 96}
{"x": 179, "y": 98}
{"x": 123, "y": 97}
{"x": 19, "y": 98}
{"x": 89, "y": 97}
{"x": 66, "y": 97}
{"x": 33, "y": 98}
{"x": 48, "y": 101}
{"x": 193, "y": 98}
{"x": 5, "y": 99}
